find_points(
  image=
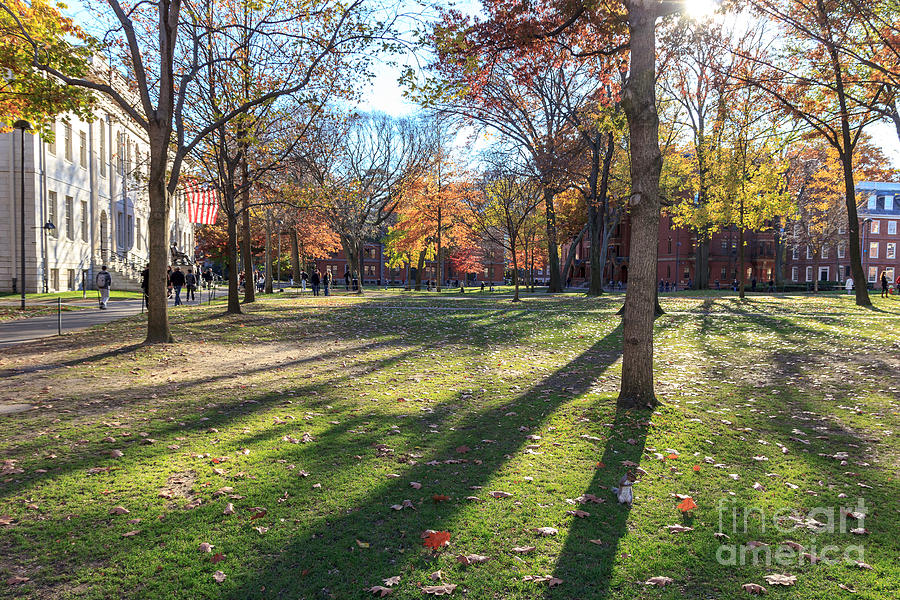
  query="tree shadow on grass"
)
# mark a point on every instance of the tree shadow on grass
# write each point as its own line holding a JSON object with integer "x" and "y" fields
{"x": 326, "y": 549}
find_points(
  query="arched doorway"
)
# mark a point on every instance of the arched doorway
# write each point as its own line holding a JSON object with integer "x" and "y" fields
{"x": 104, "y": 237}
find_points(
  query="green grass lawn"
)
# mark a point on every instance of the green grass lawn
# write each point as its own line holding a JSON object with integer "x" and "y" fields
{"x": 69, "y": 296}
{"x": 314, "y": 419}
{"x": 13, "y": 313}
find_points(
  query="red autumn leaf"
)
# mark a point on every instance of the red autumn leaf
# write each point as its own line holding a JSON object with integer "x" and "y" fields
{"x": 258, "y": 515}
{"x": 218, "y": 557}
{"x": 687, "y": 504}
{"x": 440, "y": 498}
{"x": 697, "y": 468}
{"x": 437, "y": 539}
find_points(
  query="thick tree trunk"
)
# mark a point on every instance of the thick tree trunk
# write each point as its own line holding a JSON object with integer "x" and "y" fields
{"x": 741, "y": 268}
{"x": 639, "y": 101}
{"x": 440, "y": 264}
{"x": 295, "y": 257}
{"x": 268, "y": 286}
{"x": 552, "y": 244}
{"x": 246, "y": 251}
{"x": 701, "y": 263}
{"x": 234, "y": 302}
{"x": 360, "y": 266}
{"x": 158, "y": 232}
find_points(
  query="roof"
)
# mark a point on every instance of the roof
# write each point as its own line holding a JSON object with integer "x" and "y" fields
{"x": 880, "y": 189}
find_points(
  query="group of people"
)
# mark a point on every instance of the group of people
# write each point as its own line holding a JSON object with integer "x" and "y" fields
{"x": 318, "y": 281}
{"x": 176, "y": 280}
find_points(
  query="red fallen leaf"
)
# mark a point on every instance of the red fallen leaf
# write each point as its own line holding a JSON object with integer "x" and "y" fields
{"x": 437, "y": 539}
{"x": 379, "y": 590}
{"x": 578, "y": 513}
{"x": 440, "y": 590}
{"x": 462, "y": 449}
{"x": 686, "y": 505}
{"x": 600, "y": 465}
{"x": 696, "y": 468}
{"x": 259, "y": 514}
{"x": 440, "y": 498}
{"x": 217, "y": 557}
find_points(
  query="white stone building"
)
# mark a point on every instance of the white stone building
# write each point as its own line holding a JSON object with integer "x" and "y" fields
{"x": 90, "y": 184}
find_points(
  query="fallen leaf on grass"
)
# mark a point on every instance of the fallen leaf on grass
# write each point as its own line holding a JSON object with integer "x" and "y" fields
{"x": 258, "y": 514}
{"x": 659, "y": 581}
{"x": 523, "y": 549}
{"x": 415, "y": 485}
{"x": 500, "y": 494}
{"x": 469, "y": 559}
{"x": 578, "y": 513}
{"x": 219, "y": 576}
{"x": 847, "y": 588}
{"x": 678, "y": 528}
{"x": 862, "y": 565}
{"x": 686, "y": 505}
{"x": 229, "y": 509}
{"x": 548, "y": 579}
{"x": 261, "y": 530}
{"x": 362, "y": 544}
{"x": 391, "y": 581}
{"x": 781, "y": 579}
{"x": 436, "y": 576}
{"x": 440, "y": 590}
{"x": 379, "y": 590}
{"x": 792, "y": 545}
{"x": 754, "y": 544}
{"x": 753, "y": 588}
{"x": 206, "y": 547}
{"x": 131, "y": 533}
{"x": 217, "y": 557}
{"x": 16, "y": 580}
{"x": 437, "y": 539}
{"x": 440, "y": 498}
{"x": 859, "y": 531}
{"x": 119, "y": 510}
{"x": 545, "y": 531}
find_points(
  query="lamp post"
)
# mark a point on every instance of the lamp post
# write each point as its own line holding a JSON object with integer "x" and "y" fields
{"x": 677, "y": 251}
{"x": 22, "y": 126}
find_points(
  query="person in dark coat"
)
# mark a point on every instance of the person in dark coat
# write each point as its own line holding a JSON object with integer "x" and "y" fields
{"x": 177, "y": 279}
{"x": 190, "y": 282}
{"x": 314, "y": 282}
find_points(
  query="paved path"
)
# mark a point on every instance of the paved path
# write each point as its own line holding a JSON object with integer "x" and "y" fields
{"x": 26, "y": 330}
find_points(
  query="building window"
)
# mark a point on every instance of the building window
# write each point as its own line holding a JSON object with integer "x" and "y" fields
{"x": 54, "y": 279}
{"x": 809, "y": 273}
{"x": 129, "y": 232}
{"x": 71, "y": 281}
{"x": 51, "y": 143}
{"x": 873, "y": 202}
{"x": 670, "y": 245}
{"x": 487, "y": 273}
{"x": 668, "y": 271}
{"x": 890, "y": 273}
{"x": 873, "y": 249}
{"x": 842, "y": 251}
{"x": 120, "y": 153}
{"x": 824, "y": 251}
{"x": 795, "y": 273}
{"x": 370, "y": 270}
{"x": 102, "y": 150}
{"x": 809, "y": 252}
{"x": 891, "y": 251}
{"x": 70, "y": 221}
{"x": 51, "y": 214}
{"x": 888, "y": 203}
{"x": 724, "y": 244}
{"x": 84, "y": 221}
{"x": 120, "y": 229}
{"x": 875, "y": 227}
{"x": 67, "y": 133}
{"x": 892, "y": 227}
{"x": 873, "y": 274}
{"x": 82, "y": 149}
{"x": 724, "y": 273}
{"x": 795, "y": 253}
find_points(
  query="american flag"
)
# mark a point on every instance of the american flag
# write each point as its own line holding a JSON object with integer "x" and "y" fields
{"x": 203, "y": 203}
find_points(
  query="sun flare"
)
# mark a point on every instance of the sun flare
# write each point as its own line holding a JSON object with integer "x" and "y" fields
{"x": 700, "y": 9}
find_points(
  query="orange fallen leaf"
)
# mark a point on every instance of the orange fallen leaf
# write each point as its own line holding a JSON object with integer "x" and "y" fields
{"x": 687, "y": 504}
{"x": 440, "y": 498}
{"x": 437, "y": 539}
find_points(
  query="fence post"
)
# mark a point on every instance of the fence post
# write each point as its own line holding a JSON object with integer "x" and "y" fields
{"x": 58, "y": 316}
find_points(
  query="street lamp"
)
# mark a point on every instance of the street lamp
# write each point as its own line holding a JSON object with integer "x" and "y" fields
{"x": 22, "y": 126}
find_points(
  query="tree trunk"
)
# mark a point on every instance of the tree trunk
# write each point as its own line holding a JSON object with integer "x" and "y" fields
{"x": 295, "y": 257}
{"x": 408, "y": 266}
{"x": 268, "y": 286}
{"x": 552, "y": 244}
{"x": 779, "y": 256}
{"x": 234, "y": 302}
{"x": 515, "y": 274}
{"x": 639, "y": 101}
{"x": 701, "y": 263}
{"x": 440, "y": 265}
{"x": 360, "y": 266}
{"x": 419, "y": 269}
{"x": 741, "y": 258}
{"x": 246, "y": 251}
{"x": 158, "y": 232}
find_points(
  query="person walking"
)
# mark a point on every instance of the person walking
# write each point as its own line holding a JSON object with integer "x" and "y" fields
{"x": 208, "y": 277}
{"x": 346, "y": 279}
{"x": 849, "y": 285}
{"x": 104, "y": 281}
{"x": 168, "y": 283}
{"x": 303, "y": 278}
{"x": 145, "y": 284}
{"x": 327, "y": 280}
{"x": 314, "y": 282}
{"x": 190, "y": 280}
{"x": 177, "y": 280}
{"x": 884, "y": 285}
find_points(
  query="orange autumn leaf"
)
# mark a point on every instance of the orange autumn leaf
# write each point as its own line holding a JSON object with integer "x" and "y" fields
{"x": 440, "y": 498}
{"x": 687, "y": 504}
{"x": 697, "y": 468}
{"x": 437, "y": 539}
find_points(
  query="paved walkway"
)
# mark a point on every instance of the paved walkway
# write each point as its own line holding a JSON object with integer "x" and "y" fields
{"x": 26, "y": 330}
